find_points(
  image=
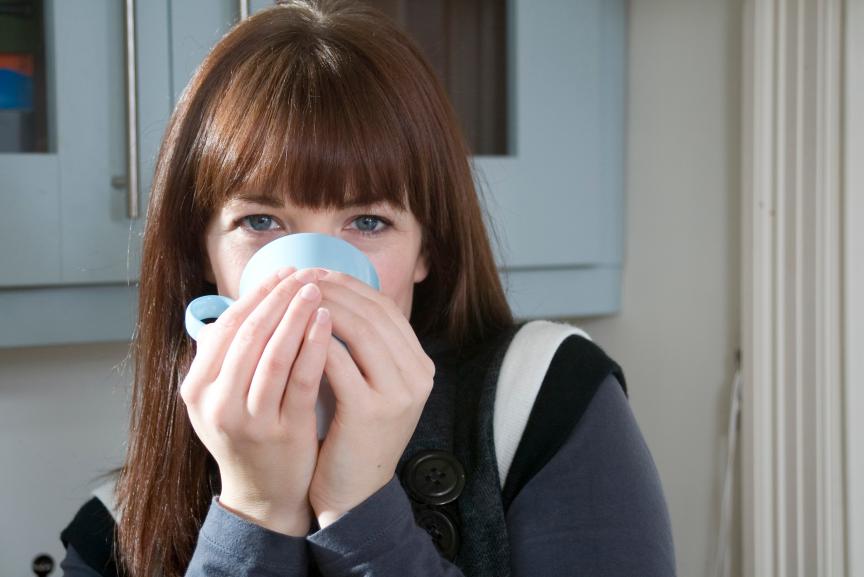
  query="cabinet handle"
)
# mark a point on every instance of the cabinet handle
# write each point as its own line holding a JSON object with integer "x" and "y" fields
{"x": 132, "y": 203}
{"x": 244, "y": 8}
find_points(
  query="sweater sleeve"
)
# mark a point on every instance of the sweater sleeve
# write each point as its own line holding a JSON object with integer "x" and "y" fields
{"x": 379, "y": 537}
{"x": 230, "y": 546}
{"x": 596, "y": 508}
{"x": 73, "y": 565}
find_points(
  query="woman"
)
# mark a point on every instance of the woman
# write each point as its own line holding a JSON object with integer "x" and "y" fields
{"x": 323, "y": 117}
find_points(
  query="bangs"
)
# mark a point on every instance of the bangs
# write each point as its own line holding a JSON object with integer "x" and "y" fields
{"x": 308, "y": 123}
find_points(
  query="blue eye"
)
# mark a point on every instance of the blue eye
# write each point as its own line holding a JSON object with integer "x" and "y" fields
{"x": 368, "y": 224}
{"x": 259, "y": 222}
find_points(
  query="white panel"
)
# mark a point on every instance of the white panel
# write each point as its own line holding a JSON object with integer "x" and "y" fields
{"x": 794, "y": 504}
{"x": 854, "y": 290}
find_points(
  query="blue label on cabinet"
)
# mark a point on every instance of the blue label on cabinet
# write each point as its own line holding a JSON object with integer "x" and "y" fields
{"x": 16, "y": 90}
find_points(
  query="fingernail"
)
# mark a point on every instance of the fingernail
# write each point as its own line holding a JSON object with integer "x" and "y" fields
{"x": 309, "y": 292}
{"x": 285, "y": 272}
{"x": 322, "y": 317}
{"x": 306, "y": 275}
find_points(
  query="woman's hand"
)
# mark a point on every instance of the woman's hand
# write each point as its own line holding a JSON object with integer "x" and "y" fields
{"x": 380, "y": 393}
{"x": 251, "y": 393}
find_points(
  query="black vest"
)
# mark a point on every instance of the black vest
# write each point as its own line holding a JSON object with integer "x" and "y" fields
{"x": 449, "y": 469}
{"x": 456, "y": 424}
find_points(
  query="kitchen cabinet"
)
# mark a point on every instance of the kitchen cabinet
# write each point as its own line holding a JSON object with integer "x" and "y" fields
{"x": 68, "y": 247}
{"x": 64, "y": 217}
{"x": 558, "y": 197}
{"x": 69, "y": 252}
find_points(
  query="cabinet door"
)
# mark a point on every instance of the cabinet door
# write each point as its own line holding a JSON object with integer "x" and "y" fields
{"x": 100, "y": 241}
{"x": 29, "y": 219}
{"x": 196, "y": 26}
{"x": 557, "y": 197}
{"x": 29, "y": 169}
{"x": 62, "y": 222}
{"x": 69, "y": 254}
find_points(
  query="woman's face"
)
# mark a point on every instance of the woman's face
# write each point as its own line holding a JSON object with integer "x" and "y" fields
{"x": 389, "y": 237}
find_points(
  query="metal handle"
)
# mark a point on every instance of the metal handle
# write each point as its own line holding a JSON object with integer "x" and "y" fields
{"x": 131, "y": 113}
{"x": 244, "y": 8}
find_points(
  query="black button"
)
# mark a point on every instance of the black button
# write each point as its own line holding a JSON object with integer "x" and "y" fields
{"x": 43, "y": 565}
{"x": 442, "y": 530}
{"x": 434, "y": 477}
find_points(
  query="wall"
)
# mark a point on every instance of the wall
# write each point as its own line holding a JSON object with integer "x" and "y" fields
{"x": 678, "y": 327}
{"x": 62, "y": 423}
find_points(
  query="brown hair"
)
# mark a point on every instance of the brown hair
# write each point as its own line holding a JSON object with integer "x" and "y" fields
{"x": 329, "y": 103}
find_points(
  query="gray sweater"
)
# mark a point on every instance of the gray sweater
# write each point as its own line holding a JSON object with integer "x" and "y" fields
{"x": 596, "y": 509}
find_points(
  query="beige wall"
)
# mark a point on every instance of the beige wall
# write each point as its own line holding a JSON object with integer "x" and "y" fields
{"x": 62, "y": 423}
{"x": 678, "y": 328}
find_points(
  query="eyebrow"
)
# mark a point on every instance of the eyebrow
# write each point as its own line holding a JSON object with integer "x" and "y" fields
{"x": 257, "y": 198}
{"x": 275, "y": 202}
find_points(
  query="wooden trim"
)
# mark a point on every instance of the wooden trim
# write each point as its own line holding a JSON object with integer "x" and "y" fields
{"x": 792, "y": 335}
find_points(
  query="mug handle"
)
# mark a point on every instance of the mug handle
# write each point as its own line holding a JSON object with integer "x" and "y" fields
{"x": 206, "y": 308}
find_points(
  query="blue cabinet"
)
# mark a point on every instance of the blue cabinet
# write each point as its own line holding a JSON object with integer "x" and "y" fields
{"x": 68, "y": 249}
{"x": 63, "y": 214}
{"x": 558, "y": 198}
{"x": 69, "y": 253}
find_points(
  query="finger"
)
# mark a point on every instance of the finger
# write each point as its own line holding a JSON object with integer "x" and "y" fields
{"x": 298, "y": 402}
{"x": 375, "y": 314}
{"x": 392, "y": 310}
{"x": 272, "y": 371}
{"x": 245, "y": 350}
{"x": 214, "y": 339}
{"x": 348, "y": 384}
{"x": 372, "y": 355}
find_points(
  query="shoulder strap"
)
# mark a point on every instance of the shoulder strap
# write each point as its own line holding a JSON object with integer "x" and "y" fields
{"x": 554, "y": 398}
{"x": 522, "y": 371}
{"x": 91, "y": 531}
{"x": 105, "y": 493}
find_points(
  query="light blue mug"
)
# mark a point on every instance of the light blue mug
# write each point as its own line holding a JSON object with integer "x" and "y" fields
{"x": 301, "y": 250}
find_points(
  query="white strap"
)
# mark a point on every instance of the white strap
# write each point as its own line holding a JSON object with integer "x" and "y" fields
{"x": 105, "y": 493}
{"x": 522, "y": 372}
